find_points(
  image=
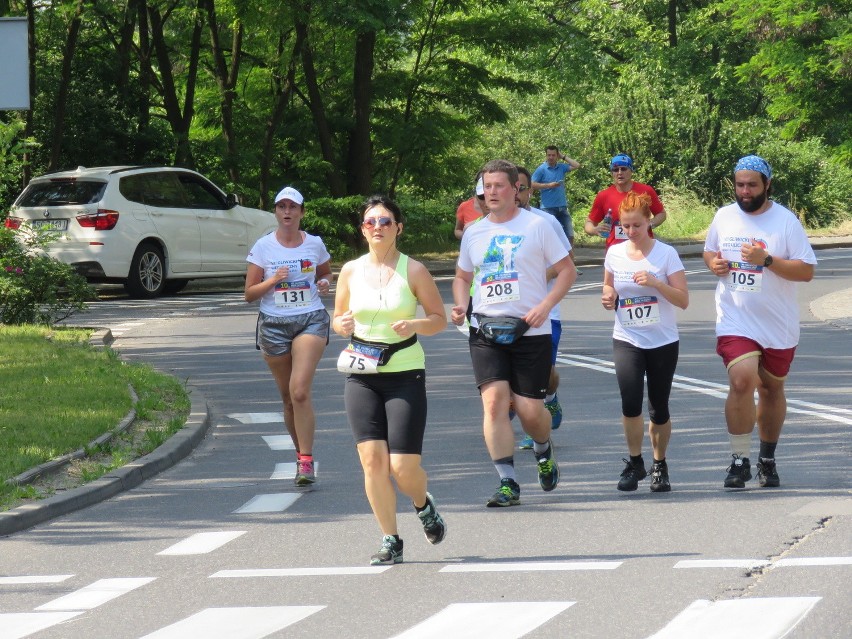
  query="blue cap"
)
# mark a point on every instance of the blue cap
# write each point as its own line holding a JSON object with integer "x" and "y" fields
{"x": 754, "y": 163}
{"x": 621, "y": 160}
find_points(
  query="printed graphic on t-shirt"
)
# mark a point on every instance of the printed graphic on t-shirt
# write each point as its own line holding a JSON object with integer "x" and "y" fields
{"x": 498, "y": 276}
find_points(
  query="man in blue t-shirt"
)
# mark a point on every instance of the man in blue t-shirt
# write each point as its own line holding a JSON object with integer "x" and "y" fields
{"x": 549, "y": 178}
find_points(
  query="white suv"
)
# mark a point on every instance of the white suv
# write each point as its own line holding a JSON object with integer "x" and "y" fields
{"x": 152, "y": 229}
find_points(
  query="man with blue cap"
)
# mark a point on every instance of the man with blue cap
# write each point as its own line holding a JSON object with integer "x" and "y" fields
{"x": 608, "y": 201}
{"x": 759, "y": 251}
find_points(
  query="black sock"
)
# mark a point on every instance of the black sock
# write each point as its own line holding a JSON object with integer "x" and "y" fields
{"x": 637, "y": 460}
{"x": 767, "y": 449}
{"x": 660, "y": 461}
{"x": 422, "y": 508}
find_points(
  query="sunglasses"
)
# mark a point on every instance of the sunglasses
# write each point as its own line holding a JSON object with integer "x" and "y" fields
{"x": 620, "y": 169}
{"x": 381, "y": 222}
{"x": 523, "y": 188}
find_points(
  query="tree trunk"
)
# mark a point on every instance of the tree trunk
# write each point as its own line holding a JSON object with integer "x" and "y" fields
{"x": 360, "y": 169}
{"x": 336, "y": 185}
{"x": 64, "y": 83}
{"x": 226, "y": 80}
{"x": 672, "y": 15}
{"x": 27, "y": 172}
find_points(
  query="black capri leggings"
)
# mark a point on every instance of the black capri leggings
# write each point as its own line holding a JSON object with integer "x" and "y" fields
{"x": 389, "y": 407}
{"x": 632, "y": 364}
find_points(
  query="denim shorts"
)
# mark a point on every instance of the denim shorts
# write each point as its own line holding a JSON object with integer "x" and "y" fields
{"x": 274, "y": 335}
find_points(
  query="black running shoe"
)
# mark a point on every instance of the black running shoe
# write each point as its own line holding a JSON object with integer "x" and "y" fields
{"x": 767, "y": 475}
{"x": 509, "y": 494}
{"x": 632, "y": 475}
{"x": 548, "y": 469}
{"x": 739, "y": 472}
{"x": 433, "y": 524}
{"x": 660, "y": 478}
{"x": 389, "y": 553}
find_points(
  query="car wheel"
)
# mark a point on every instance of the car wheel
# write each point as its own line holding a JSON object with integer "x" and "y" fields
{"x": 147, "y": 277}
{"x": 175, "y": 286}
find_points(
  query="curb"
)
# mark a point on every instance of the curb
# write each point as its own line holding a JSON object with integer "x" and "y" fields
{"x": 128, "y": 476}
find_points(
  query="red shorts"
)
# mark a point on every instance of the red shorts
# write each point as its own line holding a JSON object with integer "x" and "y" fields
{"x": 775, "y": 361}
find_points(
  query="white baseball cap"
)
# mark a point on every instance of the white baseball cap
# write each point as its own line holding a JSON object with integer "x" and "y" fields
{"x": 289, "y": 193}
{"x": 480, "y": 187}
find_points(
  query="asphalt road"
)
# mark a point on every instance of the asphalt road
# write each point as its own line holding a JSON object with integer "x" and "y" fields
{"x": 222, "y": 545}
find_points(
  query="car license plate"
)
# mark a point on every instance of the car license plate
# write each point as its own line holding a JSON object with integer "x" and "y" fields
{"x": 51, "y": 225}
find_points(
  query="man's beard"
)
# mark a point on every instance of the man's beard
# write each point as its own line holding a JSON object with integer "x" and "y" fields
{"x": 756, "y": 202}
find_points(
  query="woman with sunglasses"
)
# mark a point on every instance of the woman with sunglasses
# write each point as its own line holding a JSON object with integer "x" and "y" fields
{"x": 608, "y": 202}
{"x": 287, "y": 272}
{"x": 644, "y": 280}
{"x": 385, "y": 392}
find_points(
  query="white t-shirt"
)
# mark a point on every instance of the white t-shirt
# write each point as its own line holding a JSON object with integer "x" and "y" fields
{"x": 752, "y": 301}
{"x": 555, "y": 227}
{"x": 643, "y": 317}
{"x": 298, "y": 293}
{"x": 509, "y": 264}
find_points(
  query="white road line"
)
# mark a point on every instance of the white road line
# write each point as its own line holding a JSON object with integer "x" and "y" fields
{"x": 235, "y": 623}
{"x": 528, "y": 566}
{"x": 815, "y": 561}
{"x": 95, "y": 594}
{"x": 258, "y": 418}
{"x": 721, "y": 563}
{"x": 279, "y": 442}
{"x": 287, "y": 470}
{"x": 201, "y": 543}
{"x": 33, "y": 579}
{"x": 767, "y": 618}
{"x": 17, "y": 625}
{"x": 714, "y": 389}
{"x": 299, "y": 572}
{"x": 501, "y": 620}
{"x": 270, "y": 503}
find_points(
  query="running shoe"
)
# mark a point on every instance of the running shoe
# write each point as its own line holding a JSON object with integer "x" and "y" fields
{"x": 767, "y": 475}
{"x": 389, "y": 553}
{"x": 433, "y": 524}
{"x": 509, "y": 494}
{"x": 548, "y": 469}
{"x": 660, "y": 478}
{"x": 304, "y": 473}
{"x": 526, "y": 443}
{"x": 739, "y": 472}
{"x": 632, "y": 475}
{"x": 555, "y": 410}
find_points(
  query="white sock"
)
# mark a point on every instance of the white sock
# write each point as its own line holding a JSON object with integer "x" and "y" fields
{"x": 741, "y": 444}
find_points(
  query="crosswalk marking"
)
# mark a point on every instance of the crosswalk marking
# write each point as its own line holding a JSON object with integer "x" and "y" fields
{"x": 33, "y": 579}
{"x": 258, "y": 418}
{"x": 758, "y": 618}
{"x": 279, "y": 442}
{"x": 815, "y": 561}
{"x": 235, "y": 623}
{"x": 201, "y": 543}
{"x": 95, "y": 594}
{"x": 301, "y": 572}
{"x": 287, "y": 470}
{"x": 521, "y": 566}
{"x": 501, "y": 620}
{"x": 269, "y": 503}
{"x": 16, "y": 625}
{"x": 721, "y": 563}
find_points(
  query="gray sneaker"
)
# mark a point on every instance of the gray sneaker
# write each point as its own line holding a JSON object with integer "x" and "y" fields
{"x": 304, "y": 473}
{"x": 548, "y": 469}
{"x": 433, "y": 524}
{"x": 389, "y": 553}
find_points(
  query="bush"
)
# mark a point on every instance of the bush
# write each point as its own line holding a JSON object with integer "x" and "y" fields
{"x": 35, "y": 288}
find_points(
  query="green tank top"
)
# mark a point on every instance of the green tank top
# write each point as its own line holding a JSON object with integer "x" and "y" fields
{"x": 375, "y": 309}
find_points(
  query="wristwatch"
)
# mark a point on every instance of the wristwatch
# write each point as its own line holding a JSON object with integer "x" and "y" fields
{"x": 767, "y": 262}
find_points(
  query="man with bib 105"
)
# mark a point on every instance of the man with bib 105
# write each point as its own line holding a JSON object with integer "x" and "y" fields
{"x": 759, "y": 251}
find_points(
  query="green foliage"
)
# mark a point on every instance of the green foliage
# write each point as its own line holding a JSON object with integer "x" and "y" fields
{"x": 11, "y": 157}
{"x": 35, "y": 288}
{"x": 337, "y": 222}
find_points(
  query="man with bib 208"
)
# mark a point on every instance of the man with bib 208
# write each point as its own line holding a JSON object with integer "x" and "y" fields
{"x": 506, "y": 257}
{"x": 759, "y": 251}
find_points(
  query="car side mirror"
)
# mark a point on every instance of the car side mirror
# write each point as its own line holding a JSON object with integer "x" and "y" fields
{"x": 232, "y": 200}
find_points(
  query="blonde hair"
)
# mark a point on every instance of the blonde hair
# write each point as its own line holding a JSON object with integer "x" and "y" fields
{"x": 636, "y": 202}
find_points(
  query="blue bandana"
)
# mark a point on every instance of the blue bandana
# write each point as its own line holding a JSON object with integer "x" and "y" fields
{"x": 754, "y": 163}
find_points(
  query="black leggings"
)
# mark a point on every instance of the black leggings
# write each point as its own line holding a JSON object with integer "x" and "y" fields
{"x": 632, "y": 364}
{"x": 389, "y": 407}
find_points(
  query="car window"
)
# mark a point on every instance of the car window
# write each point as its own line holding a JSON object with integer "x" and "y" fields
{"x": 133, "y": 187}
{"x": 163, "y": 190}
{"x": 62, "y": 191}
{"x": 200, "y": 194}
